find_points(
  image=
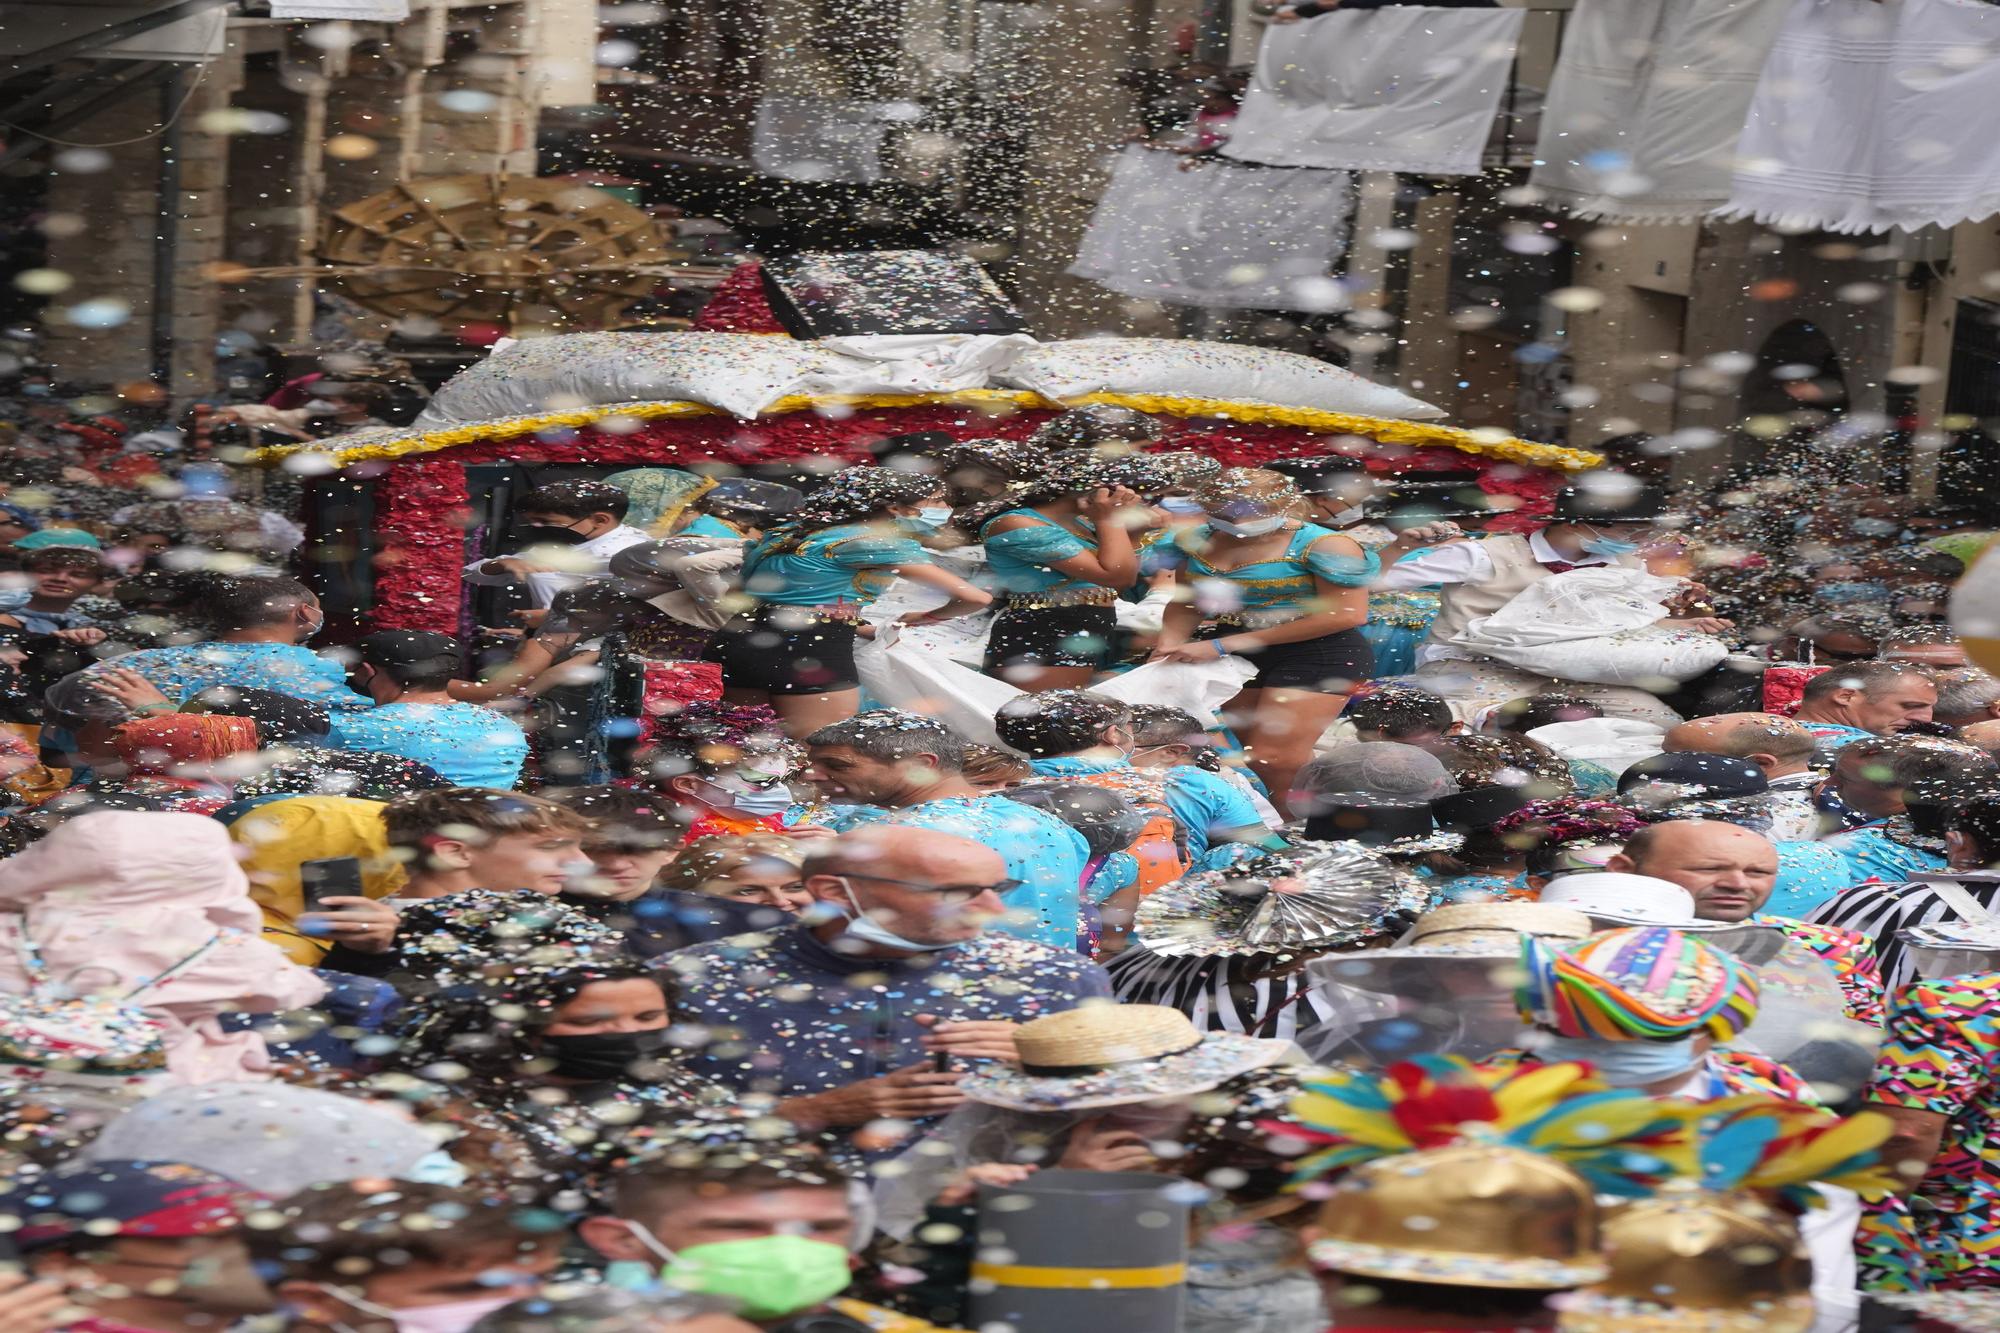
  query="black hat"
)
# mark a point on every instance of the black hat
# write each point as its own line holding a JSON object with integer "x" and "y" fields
{"x": 1611, "y": 497}
{"x": 1426, "y": 497}
{"x": 409, "y": 647}
{"x": 1666, "y": 778}
{"x": 1479, "y": 807}
{"x": 1316, "y": 474}
{"x": 748, "y": 493}
{"x": 1404, "y": 827}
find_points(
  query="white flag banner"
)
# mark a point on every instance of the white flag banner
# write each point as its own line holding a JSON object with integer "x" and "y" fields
{"x": 1875, "y": 116}
{"x": 371, "y": 11}
{"x": 1647, "y": 104}
{"x": 1403, "y": 88}
{"x": 1205, "y": 232}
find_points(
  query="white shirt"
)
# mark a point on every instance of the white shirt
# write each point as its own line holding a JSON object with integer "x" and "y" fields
{"x": 592, "y": 559}
{"x": 1468, "y": 562}
{"x": 1464, "y": 562}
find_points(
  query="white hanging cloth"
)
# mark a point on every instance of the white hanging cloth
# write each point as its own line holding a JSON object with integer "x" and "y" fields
{"x": 378, "y": 11}
{"x": 1647, "y": 104}
{"x": 1403, "y": 88}
{"x": 1875, "y": 116}
{"x": 1205, "y": 232}
{"x": 819, "y": 138}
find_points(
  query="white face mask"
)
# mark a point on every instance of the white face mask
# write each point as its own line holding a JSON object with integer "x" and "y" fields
{"x": 865, "y": 927}
{"x": 452, "y": 1317}
{"x": 1255, "y": 527}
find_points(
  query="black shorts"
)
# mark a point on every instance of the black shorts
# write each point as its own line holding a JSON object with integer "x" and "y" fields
{"x": 1051, "y": 636}
{"x": 786, "y": 650}
{"x": 1330, "y": 664}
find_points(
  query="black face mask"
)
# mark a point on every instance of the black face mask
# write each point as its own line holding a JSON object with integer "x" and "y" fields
{"x": 523, "y": 535}
{"x": 602, "y": 1056}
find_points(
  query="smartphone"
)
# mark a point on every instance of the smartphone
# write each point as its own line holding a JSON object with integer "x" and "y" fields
{"x": 330, "y": 877}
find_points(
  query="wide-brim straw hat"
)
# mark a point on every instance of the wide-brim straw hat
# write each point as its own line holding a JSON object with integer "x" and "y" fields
{"x": 1104, "y": 1054}
{"x": 1487, "y": 934}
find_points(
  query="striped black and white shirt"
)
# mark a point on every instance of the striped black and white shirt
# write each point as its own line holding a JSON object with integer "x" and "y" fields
{"x": 1881, "y": 911}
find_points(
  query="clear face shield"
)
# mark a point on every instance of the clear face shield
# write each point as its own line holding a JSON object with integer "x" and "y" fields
{"x": 1382, "y": 1007}
{"x": 1801, "y": 1017}
{"x": 1958, "y": 950}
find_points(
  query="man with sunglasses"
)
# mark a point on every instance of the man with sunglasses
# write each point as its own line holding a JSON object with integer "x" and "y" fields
{"x": 862, "y": 1018}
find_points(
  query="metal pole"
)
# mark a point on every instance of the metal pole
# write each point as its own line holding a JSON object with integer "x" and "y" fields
{"x": 166, "y": 227}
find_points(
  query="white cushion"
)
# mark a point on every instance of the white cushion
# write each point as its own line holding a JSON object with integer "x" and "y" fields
{"x": 739, "y": 373}
{"x": 1183, "y": 369}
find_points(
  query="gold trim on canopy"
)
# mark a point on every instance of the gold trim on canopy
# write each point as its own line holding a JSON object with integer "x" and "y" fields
{"x": 392, "y": 442}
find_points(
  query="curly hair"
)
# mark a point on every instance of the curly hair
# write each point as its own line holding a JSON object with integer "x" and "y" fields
{"x": 1479, "y": 760}
{"x": 850, "y": 496}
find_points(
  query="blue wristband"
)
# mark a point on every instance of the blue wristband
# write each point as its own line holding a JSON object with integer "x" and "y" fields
{"x": 1220, "y": 651}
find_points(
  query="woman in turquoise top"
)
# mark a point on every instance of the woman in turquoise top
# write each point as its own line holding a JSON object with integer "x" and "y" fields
{"x": 811, "y": 576}
{"x": 739, "y": 509}
{"x": 1289, "y": 595}
{"x": 1060, "y": 560}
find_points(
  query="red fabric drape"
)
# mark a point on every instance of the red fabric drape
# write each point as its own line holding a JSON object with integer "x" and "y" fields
{"x": 418, "y": 501}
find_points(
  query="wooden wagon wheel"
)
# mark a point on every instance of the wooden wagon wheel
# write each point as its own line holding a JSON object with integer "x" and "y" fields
{"x": 514, "y": 251}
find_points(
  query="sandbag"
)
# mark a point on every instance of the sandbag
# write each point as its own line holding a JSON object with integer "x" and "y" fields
{"x": 1599, "y": 626}
{"x": 917, "y": 679}
{"x": 1200, "y": 688}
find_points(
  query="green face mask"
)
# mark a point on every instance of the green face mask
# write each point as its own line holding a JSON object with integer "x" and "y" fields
{"x": 769, "y": 1275}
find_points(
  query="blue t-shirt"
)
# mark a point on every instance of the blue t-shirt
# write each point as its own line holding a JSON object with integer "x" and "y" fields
{"x": 1832, "y": 737}
{"x": 1872, "y": 854}
{"x": 472, "y": 746}
{"x": 1809, "y": 873}
{"x": 1200, "y": 802}
{"x": 849, "y": 563}
{"x": 284, "y": 668}
{"x": 1045, "y": 854}
{"x": 14, "y": 602}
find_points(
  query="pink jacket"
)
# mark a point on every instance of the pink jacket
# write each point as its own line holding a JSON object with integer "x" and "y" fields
{"x": 113, "y": 899}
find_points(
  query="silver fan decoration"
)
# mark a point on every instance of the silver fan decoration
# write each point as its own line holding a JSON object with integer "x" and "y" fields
{"x": 1310, "y": 897}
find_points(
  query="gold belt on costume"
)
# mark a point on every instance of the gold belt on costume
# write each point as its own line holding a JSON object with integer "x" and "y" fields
{"x": 1084, "y": 596}
{"x": 1257, "y": 619}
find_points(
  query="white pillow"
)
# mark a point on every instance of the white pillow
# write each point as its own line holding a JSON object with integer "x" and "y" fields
{"x": 740, "y": 373}
{"x": 1229, "y": 371}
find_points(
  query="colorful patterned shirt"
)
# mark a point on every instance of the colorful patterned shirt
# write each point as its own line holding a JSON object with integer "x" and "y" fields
{"x": 1851, "y": 956}
{"x": 1943, "y": 1055}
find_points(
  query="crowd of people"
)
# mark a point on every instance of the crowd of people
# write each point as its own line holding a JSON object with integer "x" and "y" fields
{"x": 1468, "y": 924}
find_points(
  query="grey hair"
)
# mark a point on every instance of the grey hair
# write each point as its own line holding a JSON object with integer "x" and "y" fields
{"x": 891, "y": 736}
{"x": 1965, "y": 692}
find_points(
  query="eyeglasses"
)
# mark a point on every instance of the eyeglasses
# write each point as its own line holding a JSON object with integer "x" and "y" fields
{"x": 952, "y": 895}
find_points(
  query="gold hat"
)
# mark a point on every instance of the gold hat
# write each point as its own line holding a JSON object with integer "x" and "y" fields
{"x": 1471, "y": 1215}
{"x": 1695, "y": 1260}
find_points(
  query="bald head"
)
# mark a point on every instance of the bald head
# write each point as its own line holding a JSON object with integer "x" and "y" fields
{"x": 927, "y": 886}
{"x": 1729, "y": 870}
{"x": 1775, "y": 744}
{"x": 1984, "y": 735}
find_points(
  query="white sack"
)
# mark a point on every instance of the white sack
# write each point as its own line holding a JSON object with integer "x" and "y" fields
{"x": 1210, "y": 233}
{"x": 923, "y": 680}
{"x": 1614, "y": 743}
{"x": 1200, "y": 688}
{"x": 1404, "y": 88}
{"x": 1185, "y": 369}
{"x": 1598, "y": 626}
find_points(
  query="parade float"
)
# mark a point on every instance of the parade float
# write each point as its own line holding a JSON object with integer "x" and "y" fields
{"x": 404, "y": 508}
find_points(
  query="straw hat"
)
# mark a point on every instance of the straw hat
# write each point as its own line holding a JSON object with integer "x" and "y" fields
{"x": 1489, "y": 930}
{"x": 1471, "y": 1215}
{"x": 1104, "y": 1054}
{"x": 1702, "y": 1262}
